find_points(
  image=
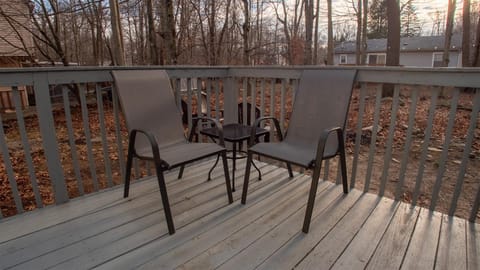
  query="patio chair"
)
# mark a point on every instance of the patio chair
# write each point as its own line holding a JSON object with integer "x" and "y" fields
{"x": 156, "y": 132}
{"x": 320, "y": 109}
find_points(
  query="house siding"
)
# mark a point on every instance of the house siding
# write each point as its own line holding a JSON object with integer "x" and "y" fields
{"x": 410, "y": 59}
{"x": 415, "y": 51}
{"x": 19, "y": 11}
{"x": 424, "y": 59}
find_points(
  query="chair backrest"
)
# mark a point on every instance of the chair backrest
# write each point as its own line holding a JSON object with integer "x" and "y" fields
{"x": 148, "y": 104}
{"x": 321, "y": 102}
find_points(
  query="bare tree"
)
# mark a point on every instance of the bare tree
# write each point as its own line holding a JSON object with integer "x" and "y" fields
{"x": 476, "y": 55}
{"x": 152, "y": 35}
{"x": 448, "y": 32}
{"x": 167, "y": 32}
{"x": 315, "y": 44}
{"x": 363, "y": 50}
{"x": 330, "y": 34}
{"x": 246, "y": 32}
{"x": 358, "y": 44}
{"x": 466, "y": 34}
{"x": 290, "y": 20}
{"x": 116, "y": 38}
{"x": 309, "y": 4}
{"x": 393, "y": 37}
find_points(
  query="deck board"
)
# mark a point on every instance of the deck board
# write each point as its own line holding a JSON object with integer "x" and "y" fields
{"x": 473, "y": 245}
{"x": 359, "y": 251}
{"x": 353, "y": 231}
{"x": 424, "y": 242}
{"x": 452, "y": 249}
{"x": 390, "y": 251}
{"x": 325, "y": 253}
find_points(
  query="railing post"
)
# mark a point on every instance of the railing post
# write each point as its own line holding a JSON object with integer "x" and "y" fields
{"x": 49, "y": 139}
{"x": 230, "y": 101}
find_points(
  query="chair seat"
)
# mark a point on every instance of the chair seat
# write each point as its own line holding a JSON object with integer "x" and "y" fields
{"x": 184, "y": 152}
{"x": 298, "y": 154}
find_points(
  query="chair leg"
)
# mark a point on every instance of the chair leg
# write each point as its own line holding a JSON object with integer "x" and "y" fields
{"x": 311, "y": 197}
{"x": 227, "y": 176}
{"x": 343, "y": 165}
{"x": 247, "y": 177}
{"x": 164, "y": 195}
{"x": 128, "y": 172}
{"x": 290, "y": 172}
{"x": 180, "y": 172}
{"x": 258, "y": 170}
{"x": 213, "y": 167}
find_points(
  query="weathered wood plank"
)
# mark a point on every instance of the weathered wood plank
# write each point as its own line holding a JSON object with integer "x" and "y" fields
{"x": 241, "y": 239}
{"x": 423, "y": 244}
{"x": 359, "y": 251}
{"x": 30, "y": 222}
{"x": 232, "y": 217}
{"x": 269, "y": 243}
{"x": 144, "y": 203}
{"x": 326, "y": 252}
{"x": 452, "y": 249}
{"x": 473, "y": 245}
{"x": 354, "y": 231}
{"x": 134, "y": 232}
{"x": 199, "y": 244}
{"x": 297, "y": 245}
{"x": 390, "y": 251}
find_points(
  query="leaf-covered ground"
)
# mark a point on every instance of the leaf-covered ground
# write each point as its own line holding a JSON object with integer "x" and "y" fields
{"x": 92, "y": 164}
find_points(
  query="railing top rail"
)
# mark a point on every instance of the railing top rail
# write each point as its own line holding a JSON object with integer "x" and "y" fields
{"x": 458, "y": 77}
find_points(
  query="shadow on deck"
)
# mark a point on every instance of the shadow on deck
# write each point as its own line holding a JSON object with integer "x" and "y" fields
{"x": 354, "y": 231}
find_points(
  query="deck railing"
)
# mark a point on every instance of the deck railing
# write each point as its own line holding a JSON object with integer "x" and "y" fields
{"x": 421, "y": 144}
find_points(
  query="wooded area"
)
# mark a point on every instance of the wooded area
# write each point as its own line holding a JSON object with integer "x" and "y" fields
{"x": 229, "y": 32}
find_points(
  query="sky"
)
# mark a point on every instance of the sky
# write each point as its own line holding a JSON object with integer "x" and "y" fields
{"x": 425, "y": 10}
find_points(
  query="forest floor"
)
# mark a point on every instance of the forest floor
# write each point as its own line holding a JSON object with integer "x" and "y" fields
{"x": 372, "y": 183}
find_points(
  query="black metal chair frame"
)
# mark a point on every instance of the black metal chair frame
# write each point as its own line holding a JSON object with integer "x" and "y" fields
{"x": 161, "y": 165}
{"x": 315, "y": 165}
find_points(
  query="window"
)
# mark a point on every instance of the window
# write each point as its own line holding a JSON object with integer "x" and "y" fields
{"x": 376, "y": 59}
{"x": 343, "y": 59}
{"x": 437, "y": 59}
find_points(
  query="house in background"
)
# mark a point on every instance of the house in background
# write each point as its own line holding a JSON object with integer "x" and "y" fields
{"x": 424, "y": 51}
{"x": 14, "y": 38}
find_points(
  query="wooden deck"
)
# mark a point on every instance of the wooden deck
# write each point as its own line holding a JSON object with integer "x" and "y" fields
{"x": 354, "y": 231}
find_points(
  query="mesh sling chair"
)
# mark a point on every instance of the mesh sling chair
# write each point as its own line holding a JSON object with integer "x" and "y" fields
{"x": 156, "y": 131}
{"x": 315, "y": 130}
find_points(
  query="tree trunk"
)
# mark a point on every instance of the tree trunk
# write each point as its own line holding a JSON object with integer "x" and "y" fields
{"x": 476, "y": 55}
{"x": 330, "y": 34}
{"x": 393, "y": 40}
{"x": 315, "y": 42}
{"x": 211, "y": 33}
{"x": 358, "y": 43}
{"x": 466, "y": 34}
{"x": 393, "y": 37}
{"x": 117, "y": 40}
{"x": 448, "y": 32}
{"x": 308, "y": 32}
{"x": 246, "y": 32}
{"x": 364, "y": 33}
{"x": 152, "y": 39}
{"x": 168, "y": 32}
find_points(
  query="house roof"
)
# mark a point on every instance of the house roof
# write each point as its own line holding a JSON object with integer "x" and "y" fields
{"x": 407, "y": 44}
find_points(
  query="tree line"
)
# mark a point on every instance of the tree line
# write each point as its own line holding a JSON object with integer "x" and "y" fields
{"x": 225, "y": 32}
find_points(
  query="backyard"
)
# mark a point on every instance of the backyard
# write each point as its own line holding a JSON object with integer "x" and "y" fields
{"x": 112, "y": 173}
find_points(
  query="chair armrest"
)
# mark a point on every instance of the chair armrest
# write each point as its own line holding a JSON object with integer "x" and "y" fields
{"x": 219, "y": 127}
{"x": 257, "y": 124}
{"x": 153, "y": 143}
{"x": 323, "y": 140}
